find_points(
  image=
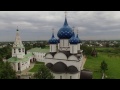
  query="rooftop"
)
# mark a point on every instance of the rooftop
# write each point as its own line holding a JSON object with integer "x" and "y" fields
{"x": 14, "y": 59}
{"x": 39, "y": 50}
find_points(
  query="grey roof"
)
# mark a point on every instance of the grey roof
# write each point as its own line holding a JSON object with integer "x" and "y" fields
{"x": 72, "y": 70}
{"x": 52, "y": 53}
{"x": 59, "y": 67}
{"x": 49, "y": 65}
{"x": 85, "y": 74}
{"x": 67, "y": 53}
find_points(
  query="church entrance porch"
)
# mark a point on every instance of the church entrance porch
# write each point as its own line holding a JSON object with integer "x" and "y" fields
{"x": 18, "y": 66}
{"x": 33, "y": 60}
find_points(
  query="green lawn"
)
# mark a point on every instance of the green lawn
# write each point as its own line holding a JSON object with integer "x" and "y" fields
{"x": 36, "y": 67}
{"x": 113, "y": 61}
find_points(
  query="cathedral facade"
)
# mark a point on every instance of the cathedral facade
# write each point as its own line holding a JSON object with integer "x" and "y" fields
{"x": 65, "y": 58}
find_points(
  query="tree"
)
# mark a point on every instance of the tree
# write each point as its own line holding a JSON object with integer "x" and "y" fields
{"x": 103, "y": 67}
{"x": 43, "y": 73}
{"x": 86, "y": 50}
{"x": 6, "y": 71}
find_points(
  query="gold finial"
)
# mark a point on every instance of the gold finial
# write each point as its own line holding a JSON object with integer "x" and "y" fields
{"x": 17, "y": 28}
{"x": 73, "y": 28}
{"x": 53, "y": 30}
{"x": 65, "y": 13}
{"x": 77, "y": 31}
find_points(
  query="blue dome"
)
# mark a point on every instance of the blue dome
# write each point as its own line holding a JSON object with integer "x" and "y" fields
{"x": 65, "y": 32}
{"x": 73, "y": 39}
{"x": 53, "y": 40}
{"x": 79, "y": 41}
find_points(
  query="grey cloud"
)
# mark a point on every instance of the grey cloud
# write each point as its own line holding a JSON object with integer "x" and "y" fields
{"x": 38, "y": 24}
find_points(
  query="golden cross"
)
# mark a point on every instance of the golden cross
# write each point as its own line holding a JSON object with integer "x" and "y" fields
{"x": 65, "y": 13}
{"x": 53, "y": 30}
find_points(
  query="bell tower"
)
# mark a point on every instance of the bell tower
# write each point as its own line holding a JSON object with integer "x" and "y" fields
{"x": 18, "y": 50}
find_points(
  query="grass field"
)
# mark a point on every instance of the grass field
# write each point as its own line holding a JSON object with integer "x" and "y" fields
{"x": 112, "y": 60}
{"x": 36, "y": 67}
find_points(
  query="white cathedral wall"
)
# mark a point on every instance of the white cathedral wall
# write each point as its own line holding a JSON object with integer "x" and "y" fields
{"x": 64, "y": 42}
{"x": 58, "y": 46}
{"x": 17, "y": 53}
{"x": 48, "y": 56}
{"x": 40, "y": 56}
{"x": 25, "y": 65}
{"x": 64, "y": 45}
{"x": 73, "y": 49}
{"x": 53, "y": 48}
{"x": 68, "y": 63}
{"x": 78, "y": 46}
{"x": 72, "y": 57}
{"x": 60, "y": 56}
{"x": 66, "y": 76}
{"x": 57, "y": 76}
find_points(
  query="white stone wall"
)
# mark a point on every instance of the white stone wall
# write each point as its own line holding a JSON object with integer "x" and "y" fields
{"x": 58, "y": 46}
{"x": 68, "y": 63}
{"x": 72, "y": 57}
{"x": 53, "y": 47}
{"x": 78, "y": 46}
{"x": 73, "y": 49}
{"x": 67, "y": 76}
{"x": 60, "y": 56}
{"x": 39, "y": 56}
{"x": 64, "y": 45}
{"x": 17, "y": 53}
{"x": 23, "y": 65}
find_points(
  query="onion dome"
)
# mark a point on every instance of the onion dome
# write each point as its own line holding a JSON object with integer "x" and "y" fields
{"x": 65, "y": 32}
{"x": 79, "y": 41}
{"x": 73, "y": 39}
{"x": 53, "y": 40}
{"x": 59, "y": 67}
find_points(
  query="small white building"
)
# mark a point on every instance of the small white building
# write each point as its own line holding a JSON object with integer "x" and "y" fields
{"x": 38, "y": 53}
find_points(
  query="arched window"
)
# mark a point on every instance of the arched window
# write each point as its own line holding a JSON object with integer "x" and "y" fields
{"x": 14, "y": 51}
{"x": 19, "y": 50}
{"x": 23, "y": 49}
{"x": 60, "y": 77}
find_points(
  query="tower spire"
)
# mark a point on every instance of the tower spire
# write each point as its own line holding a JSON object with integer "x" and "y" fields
{"x": 53, "y": 33}
{"x": 65, "y": 23}
{"x": 73, "y": 31}
{"x": 18, "y": 41}
{"x": 17, "y": 28}
{"x": 65, "y": 14}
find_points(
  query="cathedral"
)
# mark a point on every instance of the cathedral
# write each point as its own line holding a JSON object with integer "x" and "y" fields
{"x": 65, "y": 58}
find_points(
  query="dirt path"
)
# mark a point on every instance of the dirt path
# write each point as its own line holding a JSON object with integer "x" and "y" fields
{"x": 84, "y": 60}
{"x": 26, "y": 71}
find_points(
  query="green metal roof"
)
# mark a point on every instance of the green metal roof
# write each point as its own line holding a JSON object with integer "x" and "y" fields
{"x": 14, "y": 59}
{"x": 38, "y": 50}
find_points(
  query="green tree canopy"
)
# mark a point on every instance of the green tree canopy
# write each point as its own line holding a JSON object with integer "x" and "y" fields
{"x": 43, "y": 73}
{"x": 6, "y": 71}
{"x": 86, "y": 50}
{"x": 104, "y": 66}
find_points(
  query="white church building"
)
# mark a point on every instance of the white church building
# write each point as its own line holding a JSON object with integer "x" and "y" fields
{"x": 65, "y": 58}
{"x": 21, "y": 61}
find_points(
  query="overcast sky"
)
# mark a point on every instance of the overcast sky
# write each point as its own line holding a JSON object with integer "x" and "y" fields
{"x": 37, "y": 25}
